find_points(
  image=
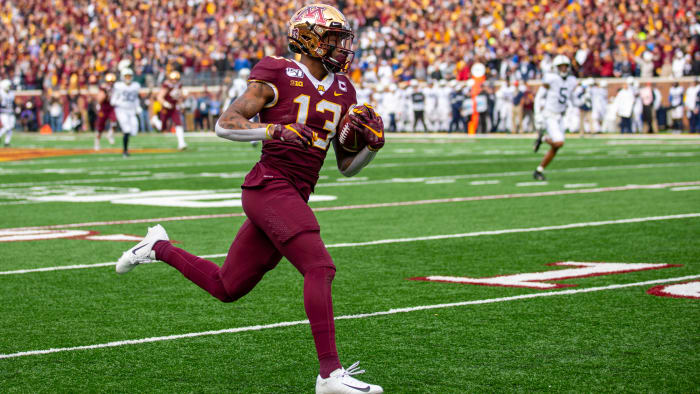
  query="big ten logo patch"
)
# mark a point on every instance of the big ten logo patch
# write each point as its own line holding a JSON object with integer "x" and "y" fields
{"x": 295, "y": 83}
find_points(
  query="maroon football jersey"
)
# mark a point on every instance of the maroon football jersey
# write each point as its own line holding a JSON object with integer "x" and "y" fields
{"x": 299, "y": 98}
{"x": 105, "y": 106}
{"x": 173, "y": 93}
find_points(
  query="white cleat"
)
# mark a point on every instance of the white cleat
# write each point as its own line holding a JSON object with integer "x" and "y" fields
{"x": 143, "y": 251}
{"x": 341, "y": 382}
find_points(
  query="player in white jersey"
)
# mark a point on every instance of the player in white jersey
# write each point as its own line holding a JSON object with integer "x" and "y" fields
{"x": 239, "y": 85}
{"x": 125, "y": 99}
{"x": 675, "y": 99}
{"x": 431, "y": 105}
{"x": 599, "y": 93}
{"x": 540, "y": 97}
{"x": 7, "y": 111}
{"x": 560, "y": 87}
{"x": 504, "y": 106}
{"x": 444, "y": 108}
{"x": 583, "y": 99}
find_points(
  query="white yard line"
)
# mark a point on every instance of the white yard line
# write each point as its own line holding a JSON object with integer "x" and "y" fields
{"x": 419, "y": 161}
{"x": 170, "y": 175}
{"x": 684, "y": 188}
{"x": 537, "y": 183}
{"x": 512, "y": 173}
{"x": 412, "y": 239}
{"x": 344, "y": 317}
{"x": 367, "y": 206}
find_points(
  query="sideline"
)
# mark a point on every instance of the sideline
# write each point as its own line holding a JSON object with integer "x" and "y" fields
{"x": 344, "y": 317}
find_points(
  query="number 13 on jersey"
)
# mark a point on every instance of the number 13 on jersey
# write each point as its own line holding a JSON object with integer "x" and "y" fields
{"x": 322, "y": 106}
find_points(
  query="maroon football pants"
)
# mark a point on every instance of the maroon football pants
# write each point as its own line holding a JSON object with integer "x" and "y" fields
{"x": 280, "y": 223}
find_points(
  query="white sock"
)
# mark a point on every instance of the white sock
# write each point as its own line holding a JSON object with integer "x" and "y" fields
{"x": 180, "y": 133}
{"x": 540, "y": 169}
{"x": 8, "y": 137}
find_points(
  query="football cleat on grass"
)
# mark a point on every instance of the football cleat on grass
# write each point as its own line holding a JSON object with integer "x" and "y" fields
{"x": 538, "y": 142}
{"x": 340, "y": 381}
{"x": 538, "y": 176}
{"x": 143, "y": 251}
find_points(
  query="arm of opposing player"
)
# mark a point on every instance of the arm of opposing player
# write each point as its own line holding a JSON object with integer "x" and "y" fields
{"x": 234, "y": 124}
{"x": 350, "y": 164}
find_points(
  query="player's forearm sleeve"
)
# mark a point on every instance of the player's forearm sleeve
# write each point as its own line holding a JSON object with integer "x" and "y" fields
{"x": 256, "y": 134}
{"x": 361, "y": 159}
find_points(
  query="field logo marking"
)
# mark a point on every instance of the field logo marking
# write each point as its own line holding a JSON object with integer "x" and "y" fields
{"x": 164, "y": 198}
{"x": 536, "y": 280}
{"x": 40, "y": 235}
{"x": 678, "y": 290}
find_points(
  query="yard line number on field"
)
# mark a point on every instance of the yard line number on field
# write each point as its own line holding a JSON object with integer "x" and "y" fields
{"x": 414, "y": 239}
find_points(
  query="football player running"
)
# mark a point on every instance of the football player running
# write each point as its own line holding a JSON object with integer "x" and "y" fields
{"x": 7, "y": 111}
{"x": 125, "y": 99}
{"x": 559, "y": 89}
{"x": 300, "y": 104}
{"x": 169, "y": 96}
{"x": 105, "y": 110}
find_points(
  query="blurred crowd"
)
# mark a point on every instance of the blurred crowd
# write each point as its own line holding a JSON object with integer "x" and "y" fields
{"x": 517, "y": 107}
{"x": 62, "y": 44}
{"x": 401, "y": 46}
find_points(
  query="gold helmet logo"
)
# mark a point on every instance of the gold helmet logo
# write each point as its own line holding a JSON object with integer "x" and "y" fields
{"x": 174, "y": 75}
{"x": 321, "y": 31}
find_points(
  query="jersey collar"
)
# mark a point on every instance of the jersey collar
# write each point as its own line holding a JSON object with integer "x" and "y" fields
{"x": 326, "y": 82}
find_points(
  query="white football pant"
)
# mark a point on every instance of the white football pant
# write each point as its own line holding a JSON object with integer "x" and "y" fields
{"x": 128, "y": 121}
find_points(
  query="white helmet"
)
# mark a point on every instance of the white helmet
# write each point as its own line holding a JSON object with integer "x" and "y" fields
{"x": 127, "y": 72}
{"x": 5, "y": 85}
{"x": 478, "y": 70}
{"x": 244, "y": 73}
{"x": 561, "y": 60}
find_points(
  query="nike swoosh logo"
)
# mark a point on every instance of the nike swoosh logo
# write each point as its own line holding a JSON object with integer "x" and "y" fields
{"x": 336, "y": 94}
{"x": 377, "y": 133}
{"x": 134, "y": 251}
{"x": 363, "y": 389}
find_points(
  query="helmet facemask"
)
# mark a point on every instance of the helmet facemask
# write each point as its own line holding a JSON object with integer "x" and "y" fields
{"x": 321, "y": 32}
{"x": 563, "y": 70}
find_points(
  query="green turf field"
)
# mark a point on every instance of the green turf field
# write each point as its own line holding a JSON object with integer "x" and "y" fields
{"x": 441, "y": 207}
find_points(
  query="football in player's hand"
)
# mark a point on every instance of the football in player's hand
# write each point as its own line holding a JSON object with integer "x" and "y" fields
{"x": 348, "y": 135}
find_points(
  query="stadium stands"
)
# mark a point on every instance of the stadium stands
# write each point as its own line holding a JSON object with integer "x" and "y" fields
{"x": 63, "y": 44}
{"x": 69, "y": 45}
